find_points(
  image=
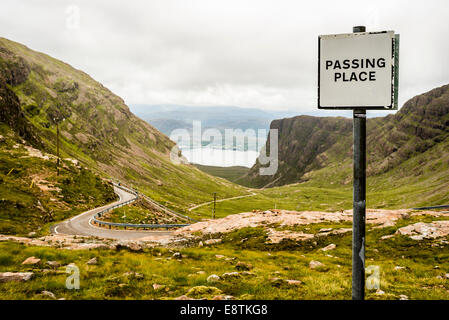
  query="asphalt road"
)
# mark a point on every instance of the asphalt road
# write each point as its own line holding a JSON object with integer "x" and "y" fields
{"x": 82, "y": 224}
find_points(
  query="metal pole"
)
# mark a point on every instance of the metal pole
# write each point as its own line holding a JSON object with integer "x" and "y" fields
{"x": 215, "y": 200}
{"x": 359, "y": 200}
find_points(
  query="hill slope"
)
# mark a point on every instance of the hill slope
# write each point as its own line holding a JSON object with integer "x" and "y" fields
{"x": 310, "y": 143}
{"x": 98, "y": 129}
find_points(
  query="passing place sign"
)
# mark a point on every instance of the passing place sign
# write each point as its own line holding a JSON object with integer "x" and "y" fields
{"x": 358, "y": 70}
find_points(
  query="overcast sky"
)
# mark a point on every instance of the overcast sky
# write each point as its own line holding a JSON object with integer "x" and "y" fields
{"x": 259, "y": 54}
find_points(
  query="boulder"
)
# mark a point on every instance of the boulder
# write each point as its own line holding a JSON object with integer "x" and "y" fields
{"x": 230, "y": 275}
{"x": 329, "y": 247}
{"x": 48, "y": 294}
{"x": 54, "y": 264}
{"x": 293, "y": 282}
{"x": 31, "y": 260}
{"x": 183, "y": 297}
{"x": 315, "y": 264}
{"x": 213, "y": 278}
{"x": 221, "y": 297}
{"x": 15, "y": 276}
{"x": 157, "y": 286}
{"x": 212, "y": 241}
{"x": 177, "y": 255}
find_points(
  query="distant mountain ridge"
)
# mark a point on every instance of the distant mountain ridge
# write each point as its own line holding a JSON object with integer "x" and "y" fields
{"x": 310, "y": 143}
{"x": 166, "y": 118}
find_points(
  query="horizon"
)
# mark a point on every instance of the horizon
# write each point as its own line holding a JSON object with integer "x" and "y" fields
{"x": 189, "y": 54}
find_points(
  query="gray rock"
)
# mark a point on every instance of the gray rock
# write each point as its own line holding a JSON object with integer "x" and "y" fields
{"x": 48, "y": 294}
{"x": 31, "y": 260}
{"x": 230, "y": 275}
{"x": 15, "y": 276}
{"x": 315, "y": 264}
{"x": 213, "y": 278}
{"x": 177, "y": 255}
{"x": 54, "y": 264}
{"x": 329, "y": 247}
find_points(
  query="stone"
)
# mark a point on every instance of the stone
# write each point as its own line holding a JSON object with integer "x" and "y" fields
{"x": 380, "y": 292}
{"x": 213, "y": 278}
{"x": 201, "y": 272}
{"x": 243, "y": 266}
{"x": 200, "y": 244}
{"x": 446, "y": 275}
{"x": 134, "y": 247}
{"x": 31, "y": 234}
{"x": 329, "y": 247}
{"x": 177, "y": 255}
{"x": 293, "y": 282}
{"x": 403, "y": 297}
{"x": 48, "y": 294}
{"x": 183, "y": 297}
{"x": 15, "y": 276}
{"x": 31, "y": 260}
{"x": 157, "y": 286}
{"x": 315, "y": 264}
{"x": 92, "y": 261}
{"x": 54, "y": 264}
{"x": 212, "y": 241}
{"x": 133, "y": 275}
{"x": 325, "y": 230}
{"x": 219, "y": 256}
{"x": 221, "y": 297}
{"x": 247, "y": 274}
{"x": 399, "y": 268}
{"x": 230, "y": 275}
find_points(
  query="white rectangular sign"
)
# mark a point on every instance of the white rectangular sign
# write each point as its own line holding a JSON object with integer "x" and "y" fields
{"x": 358, "y": 70}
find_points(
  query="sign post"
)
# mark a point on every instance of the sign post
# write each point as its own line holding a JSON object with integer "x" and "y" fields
{"x": 358, "y": 71}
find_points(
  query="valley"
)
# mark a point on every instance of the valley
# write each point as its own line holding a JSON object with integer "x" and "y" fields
{"x": 285, "y": 236}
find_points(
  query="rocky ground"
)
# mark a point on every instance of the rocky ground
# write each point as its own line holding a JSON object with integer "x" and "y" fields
{"x": 277, "y": 223}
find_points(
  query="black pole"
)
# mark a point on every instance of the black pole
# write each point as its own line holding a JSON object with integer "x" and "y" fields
{"x": 359, "y": 201}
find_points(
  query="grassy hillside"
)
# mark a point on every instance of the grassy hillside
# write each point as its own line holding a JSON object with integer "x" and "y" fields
{"x": 32, "y": 195}
{"x": 407, "y": 267}
{"x": 98, "y": 129}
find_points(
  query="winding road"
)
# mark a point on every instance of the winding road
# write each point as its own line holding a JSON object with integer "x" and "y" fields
{"x": 82, "y": 224}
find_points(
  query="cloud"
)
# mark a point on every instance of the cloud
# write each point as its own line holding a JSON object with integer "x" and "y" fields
{"x": 260, "y": 54}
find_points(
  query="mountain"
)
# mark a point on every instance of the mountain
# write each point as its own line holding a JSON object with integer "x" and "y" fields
{"x": 96, "y": 128}
{"x": 307, "y": 144}
{"x": 166, "y": 118}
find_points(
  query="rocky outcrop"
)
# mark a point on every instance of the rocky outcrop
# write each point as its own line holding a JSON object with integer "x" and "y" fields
{"x": 13, "y": 68}
{"x": 12, "y": 114}
{"x": 15, "y": 276}
{"x": 308, "y": 143}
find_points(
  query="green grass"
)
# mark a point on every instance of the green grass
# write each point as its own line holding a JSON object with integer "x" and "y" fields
{"x": 26, "y": 203}
{"x": 286, "y": 260}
